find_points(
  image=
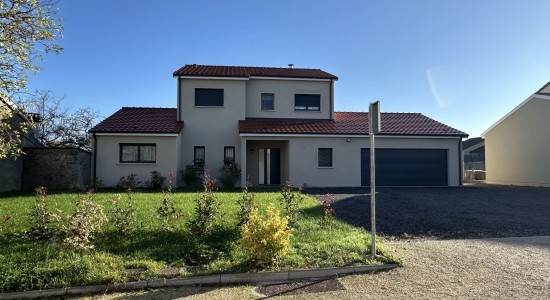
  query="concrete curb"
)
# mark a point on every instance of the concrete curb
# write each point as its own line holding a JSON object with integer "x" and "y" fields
{"x": 219, "y": 279}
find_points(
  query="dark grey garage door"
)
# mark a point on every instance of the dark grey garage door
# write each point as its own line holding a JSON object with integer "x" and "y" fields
{"x": 406, "y": 167}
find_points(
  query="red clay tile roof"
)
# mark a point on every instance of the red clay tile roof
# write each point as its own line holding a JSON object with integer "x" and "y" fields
{"x": 236, "y": 71}
{"x": 351, "y": 123}
{"x": 140, "y": 120}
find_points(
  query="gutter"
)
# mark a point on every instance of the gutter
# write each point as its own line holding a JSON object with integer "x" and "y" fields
{"x": 460, "y": 164}
{"x": 94, "y": 174}
{"x": 331, "y": 99}
{"x": 178, "y": 99}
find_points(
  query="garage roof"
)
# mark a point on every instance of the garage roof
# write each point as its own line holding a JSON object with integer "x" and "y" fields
{"x": 140, "y": 120}
{"x": 351, "y": 123}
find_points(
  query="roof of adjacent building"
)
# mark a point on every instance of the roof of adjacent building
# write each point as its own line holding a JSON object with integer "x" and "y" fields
{"x": 351, "y": 123}
{"x": 544, "y": 90}
{"x": 240, "y": 71}
{"x": 472, "y": 142}
{"x": 140, "y": 120}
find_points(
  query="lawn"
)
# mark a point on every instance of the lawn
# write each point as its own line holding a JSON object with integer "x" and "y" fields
{"x": 27, "y": 264}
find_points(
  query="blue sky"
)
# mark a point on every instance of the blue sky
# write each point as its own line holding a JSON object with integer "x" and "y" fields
{"x": 464, "y": 63}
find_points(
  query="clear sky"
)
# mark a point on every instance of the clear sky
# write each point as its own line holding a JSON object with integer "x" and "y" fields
{"x": 465, "y": 63}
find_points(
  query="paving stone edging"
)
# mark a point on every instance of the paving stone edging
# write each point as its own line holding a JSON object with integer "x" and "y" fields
{"x": 199, "y": 280}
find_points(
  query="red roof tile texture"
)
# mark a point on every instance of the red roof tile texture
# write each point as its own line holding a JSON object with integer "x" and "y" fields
{"x": 140, "y": 120}
{"x": 352, "y": 123}
{"x": 236, "y": 71}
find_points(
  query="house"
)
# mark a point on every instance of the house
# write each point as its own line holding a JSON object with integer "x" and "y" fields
{"x": 276, "y": 124}
{"x": 517, "y": 146}
{"x": 11, "y": 168}
{"x": 474, "y": 153}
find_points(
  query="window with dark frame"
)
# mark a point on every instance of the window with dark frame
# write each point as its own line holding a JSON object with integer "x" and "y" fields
{"x": 228, "y": 155}
{"x": 199, "y": 156}
{"x": 325, "y": 157}
{"x": 268, "y": 101}
{"x": 208, "y": 97}
{"x": 138, "y": 153}
{"x": 308, "y": 102}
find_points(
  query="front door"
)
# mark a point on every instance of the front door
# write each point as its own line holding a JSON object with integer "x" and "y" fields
{"x": 270, "y": 166}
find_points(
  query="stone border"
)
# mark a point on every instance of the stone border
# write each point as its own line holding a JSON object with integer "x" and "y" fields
{"x": 219, "y": 279}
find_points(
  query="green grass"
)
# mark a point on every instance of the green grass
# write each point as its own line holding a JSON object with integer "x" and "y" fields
{"x": 27, "y": 264}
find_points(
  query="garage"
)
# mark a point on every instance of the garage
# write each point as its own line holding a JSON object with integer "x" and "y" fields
{"x": 406, "y": 167}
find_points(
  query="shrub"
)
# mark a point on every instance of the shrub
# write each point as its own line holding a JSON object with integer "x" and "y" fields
{"x": 86, "y": 220}
{"x": 265, "y": 239}
{"x": 45, "y": 225}
{"x": 207, "y": 207}
{"x": 290, "y": 200}
{"x": 328, "y": 213}
{"x": 167, "y": 212}
{"x": 123, "y": 214}
{"x": 129, "y": 182}
{"x": 191, "y": 176}
{"x": 230, "y": 173}
{"x": 157, "y": 181}
{"x": 246, "y": 203}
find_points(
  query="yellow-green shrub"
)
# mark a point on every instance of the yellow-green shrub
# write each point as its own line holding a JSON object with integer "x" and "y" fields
{"x": 265, "y": 238}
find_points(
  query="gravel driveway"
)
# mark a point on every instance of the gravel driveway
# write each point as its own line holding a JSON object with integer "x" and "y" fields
{"x": 476, "y": 211}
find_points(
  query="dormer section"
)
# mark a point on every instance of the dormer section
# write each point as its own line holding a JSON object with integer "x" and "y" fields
{"x": 257, "y": 92}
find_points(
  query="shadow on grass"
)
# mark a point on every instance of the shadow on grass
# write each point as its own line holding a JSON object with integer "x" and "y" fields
{"x": 177, "y": 247}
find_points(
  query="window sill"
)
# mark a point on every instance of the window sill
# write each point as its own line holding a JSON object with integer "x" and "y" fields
{"x": 325, "y": 167}
{"x": 311, "y": 111}
{"x": 268, "y": 110}
{"x": 137, "y": 164}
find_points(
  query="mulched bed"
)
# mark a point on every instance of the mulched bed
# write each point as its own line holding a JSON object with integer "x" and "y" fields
{"x": 299, "y": 287}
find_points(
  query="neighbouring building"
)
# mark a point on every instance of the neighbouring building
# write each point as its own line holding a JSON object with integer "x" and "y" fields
{"x": 276, "y": 124}
{"x": 518, "y": 145}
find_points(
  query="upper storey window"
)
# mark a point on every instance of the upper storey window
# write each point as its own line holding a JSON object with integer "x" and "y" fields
{"x": 208, "y": 97}
{"x": 268, "y": 102}
{"x": 309, "y": 102}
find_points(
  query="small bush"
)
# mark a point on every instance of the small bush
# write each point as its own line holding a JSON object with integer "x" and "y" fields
{"x": 230, "y": 173}
{"x": 86, "y": 220}
{"x": 246, "y": 203}
{"x": 207, "y": 208}
{"x": 123, "y": 214}
{"x": 290, "y": 200}
{"x": 157, "y": 181}
{"x": 191, "y": 176}
{"x": 129, "y": 182}
{"x": 167, "y": 212}
{"x": 328, "y": 213}
{"x": 45, "y": 225}
{"x": 265, "y": 239}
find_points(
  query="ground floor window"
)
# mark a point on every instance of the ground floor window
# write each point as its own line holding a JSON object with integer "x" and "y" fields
{"x": 325, "y": 157}
{"x": 199, "y": 156}
{"x": 138, "y": 153}
{"x": 228, "y": 155}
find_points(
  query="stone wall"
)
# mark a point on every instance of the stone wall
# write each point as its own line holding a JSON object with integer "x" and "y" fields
{"x": 56, "y": 168}
{"x": 11, "y": 171}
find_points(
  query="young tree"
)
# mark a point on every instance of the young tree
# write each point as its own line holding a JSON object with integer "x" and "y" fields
{"x": 28, "y": 28}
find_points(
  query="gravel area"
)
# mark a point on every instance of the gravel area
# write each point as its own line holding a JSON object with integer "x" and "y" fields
{"x": 476, "y": 211}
